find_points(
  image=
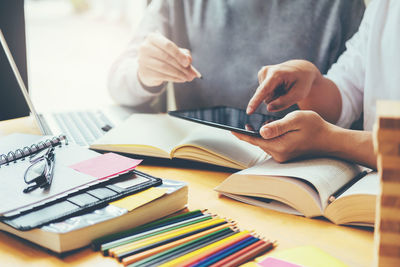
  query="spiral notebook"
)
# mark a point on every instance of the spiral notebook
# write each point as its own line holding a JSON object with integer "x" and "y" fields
{"x": 14, "y": 161}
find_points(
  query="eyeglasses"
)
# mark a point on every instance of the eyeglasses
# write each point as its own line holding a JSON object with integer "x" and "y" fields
{"x": 40, "y": 173}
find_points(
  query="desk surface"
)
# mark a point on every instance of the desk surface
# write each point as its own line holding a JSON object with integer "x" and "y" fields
{"x": 352, "y": 245}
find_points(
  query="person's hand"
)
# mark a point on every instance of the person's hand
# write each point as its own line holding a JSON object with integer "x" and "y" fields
{"x": 283, "y": 85}
{"x": 161, "y": 60}
{"x": 298, "y": 133}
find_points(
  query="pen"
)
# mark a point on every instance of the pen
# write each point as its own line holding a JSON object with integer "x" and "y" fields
{"x": 346, "y": 186}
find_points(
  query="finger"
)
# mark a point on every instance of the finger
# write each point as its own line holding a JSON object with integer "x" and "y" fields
{"x": 285, "y": 95}
{"x": 167, "y": 69}
{"x": 193, "y": 70}
{"x": 262, "y": 74}
{"x": 265, "y": 145}
{"x": 282, "y": 102}
{"x": 152, "y": 51}
{"x": 163, "y": 77}
{"x": 264, "y": 90}
{"x": 171, "y": 48}
{"x": 279, "y": 127}
{"x": 246, "y": 138}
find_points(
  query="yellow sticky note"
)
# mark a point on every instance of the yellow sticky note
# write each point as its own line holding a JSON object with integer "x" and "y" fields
{"x": 309, "y": 256}
{"x": 134, "y": 201}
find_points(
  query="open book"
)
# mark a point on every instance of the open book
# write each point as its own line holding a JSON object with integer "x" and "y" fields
{"x": 159, "y": 135}
{"x": 304, "y": 187}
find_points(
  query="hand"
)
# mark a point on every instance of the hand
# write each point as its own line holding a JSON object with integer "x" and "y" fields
{"x": 283, "y": 85}
{"x": 161, "y": 60}
{"x": 298, "y": 133}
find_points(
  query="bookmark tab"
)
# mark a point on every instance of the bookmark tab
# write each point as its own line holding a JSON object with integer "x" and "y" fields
{"x": 106, "y": 165}
{"x": 134, "y": 201}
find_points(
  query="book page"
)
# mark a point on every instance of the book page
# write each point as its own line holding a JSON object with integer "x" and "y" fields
{"x": 368, "y": 185}
{"x": 224, "y": 144}
{"x": 325, "y": 174}
{"x": 145, "y": 130}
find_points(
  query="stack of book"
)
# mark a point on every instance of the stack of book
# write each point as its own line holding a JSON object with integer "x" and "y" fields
{"x": 193, "y": 238}
{"x": 387, "y": 145}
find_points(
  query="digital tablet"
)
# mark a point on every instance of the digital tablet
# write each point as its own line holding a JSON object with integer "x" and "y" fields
{"x": 228, "y": 118}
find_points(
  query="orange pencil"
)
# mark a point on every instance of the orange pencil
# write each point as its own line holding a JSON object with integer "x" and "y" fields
{"x": 211, "y": 251}
{"x": 148, "y": 253}
{"x": 245, "y": 254}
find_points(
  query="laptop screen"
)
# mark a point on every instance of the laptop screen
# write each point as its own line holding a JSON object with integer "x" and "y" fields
{"x": 20, "y": 82}
{"x": 12, "y": 23}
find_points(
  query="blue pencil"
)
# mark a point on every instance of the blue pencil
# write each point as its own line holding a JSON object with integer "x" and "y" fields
{"x": 226, "y": 252}
{"x": 183, "y": 249}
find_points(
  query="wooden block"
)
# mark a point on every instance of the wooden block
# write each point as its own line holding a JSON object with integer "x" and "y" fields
{"x": 391, "y": 202}
{"x": 389, "y": 123}
{"x": 388, "y": 135}
{"x": 388, "y": 114}
{"x": 389, "y": 238}
{"x": 391, "y": 189}
{"x": 389, "y": 213}
{"x": 388, "y": 162}
{"x": 390, "y": 226}
{"x": 387, "y": 148}
{"x": 390, "y": 175}
{"x": 389, "y": 250}
{"x": 388, "y": 261}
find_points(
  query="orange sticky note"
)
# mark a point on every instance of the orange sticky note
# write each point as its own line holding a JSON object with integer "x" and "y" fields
{"x": 106, "y": 165}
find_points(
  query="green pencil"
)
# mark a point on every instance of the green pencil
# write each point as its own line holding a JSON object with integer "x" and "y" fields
{"x": 156, "y": 231}
{"x": 96, "y": 244}
{"x": 184, "y": 248}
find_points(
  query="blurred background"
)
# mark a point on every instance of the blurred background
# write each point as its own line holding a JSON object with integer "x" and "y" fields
{"x": 71, "y": 45}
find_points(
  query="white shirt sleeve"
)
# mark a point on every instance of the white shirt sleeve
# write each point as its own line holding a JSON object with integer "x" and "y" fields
{"x": 123, "y": 82}
{"x": 348, "y": 73}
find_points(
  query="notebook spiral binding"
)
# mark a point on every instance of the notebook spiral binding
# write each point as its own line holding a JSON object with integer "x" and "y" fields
{"x": 21, "y": 153}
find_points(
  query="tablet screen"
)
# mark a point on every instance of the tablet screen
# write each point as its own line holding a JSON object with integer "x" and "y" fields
{"x": 227, "y": 118}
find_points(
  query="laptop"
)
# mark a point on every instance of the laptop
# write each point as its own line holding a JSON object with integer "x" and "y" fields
{"x": 82, "y": 127}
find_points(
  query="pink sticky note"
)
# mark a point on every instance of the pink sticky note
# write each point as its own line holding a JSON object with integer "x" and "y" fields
{"x": 274, "y": 262}
{"x": 106, "y": 165}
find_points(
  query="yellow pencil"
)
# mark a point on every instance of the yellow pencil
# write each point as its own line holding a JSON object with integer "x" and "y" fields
{"x": 113, "y": 251}
{"x": 151, "y": 240}
{"x": 178, "y": 261}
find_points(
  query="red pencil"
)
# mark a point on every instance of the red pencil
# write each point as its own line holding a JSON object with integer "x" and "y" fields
{"x": 214, "y": 250}
{"x": 244, "y": 255}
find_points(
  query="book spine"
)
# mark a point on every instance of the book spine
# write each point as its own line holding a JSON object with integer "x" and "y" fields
{"x": 20, "y": 153}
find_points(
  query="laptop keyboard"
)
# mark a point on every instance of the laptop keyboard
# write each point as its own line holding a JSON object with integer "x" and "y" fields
{"x": 83, "y": 127}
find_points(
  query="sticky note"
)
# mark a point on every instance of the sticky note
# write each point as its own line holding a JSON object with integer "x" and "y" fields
{"x": 309, "y": 256}
{"x": 273, "y": 262}
{"x": 106, "y": 165}
{"x": 136, "y": 200}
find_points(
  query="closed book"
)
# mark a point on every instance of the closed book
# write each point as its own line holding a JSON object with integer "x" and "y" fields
{"x": 79, "y": 231}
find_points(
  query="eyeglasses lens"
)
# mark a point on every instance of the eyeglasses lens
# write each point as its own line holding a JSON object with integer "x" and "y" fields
{"x": 38, "y": 169}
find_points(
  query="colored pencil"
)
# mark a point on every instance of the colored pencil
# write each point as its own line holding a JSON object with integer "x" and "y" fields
{"x": 151, "y": 252}
{"x": 231, "y": 258}
{"x": 206, "y": 254}
{"x": 166, "y": 241}
{"x": 105, "y": 247}
{"x": 183, "y": 258}
{"x": 226, "y": 252}
{"x": 169, "y": 220}
{"x": 184, "y": 248}
{"x": 245, "y": 257}
{"x": 150, "y": 240}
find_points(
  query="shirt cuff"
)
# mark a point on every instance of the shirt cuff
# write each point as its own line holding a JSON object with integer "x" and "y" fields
{"x": 345, "y": 119}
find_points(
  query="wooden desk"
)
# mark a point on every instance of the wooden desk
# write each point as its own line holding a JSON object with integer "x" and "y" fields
{"x": 351, "y": 245}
